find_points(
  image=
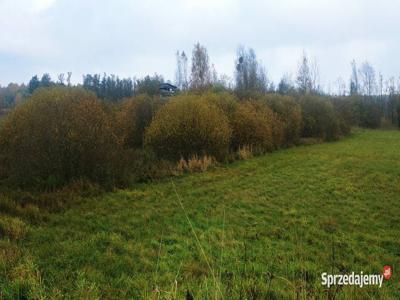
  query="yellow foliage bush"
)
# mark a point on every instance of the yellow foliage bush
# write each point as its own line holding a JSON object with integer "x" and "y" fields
{"x": 289, "y": 111}
{"x": 255, "y": 125}
{"x": 226, "y": 102}
{"x": 57, "y": 135}
{"x": 134, "y": 117}
{"x": 187, "y": 126}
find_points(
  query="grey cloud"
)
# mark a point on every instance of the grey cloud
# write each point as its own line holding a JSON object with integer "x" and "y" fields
{"x": 139, "y": 37}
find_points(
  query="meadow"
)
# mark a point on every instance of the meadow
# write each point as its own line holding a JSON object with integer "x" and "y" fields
{"x": 263, "y": 228}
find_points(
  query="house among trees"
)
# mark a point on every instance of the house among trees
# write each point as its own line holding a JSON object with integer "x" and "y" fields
{"x": 167, "y": 89}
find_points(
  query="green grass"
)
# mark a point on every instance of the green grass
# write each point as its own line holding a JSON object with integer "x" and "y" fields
{"x": 263, "y": 228}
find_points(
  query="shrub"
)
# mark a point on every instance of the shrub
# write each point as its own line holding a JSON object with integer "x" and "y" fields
{"x": 369, "y": 112}
{"x": 244, "y": 153}
{"x": 188, "y": 126}
{"x": 143, "y": 165}
{"x": 196, "y": 164}
{"x": 290, "y": 113}
{"x": 360, "y": 111}
{"x": 346, "y": 114}
{"x": 319, "y": 118}
{"x": 346, "y": 109}
{"x": 135, "y": 116}
{"x": 56, "y": 136}
{"x": 225, "y": 101}
{"x": 256, "y": 126}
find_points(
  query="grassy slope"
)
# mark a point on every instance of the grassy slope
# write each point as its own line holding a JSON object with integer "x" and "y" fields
{"x": 268, "y": 227}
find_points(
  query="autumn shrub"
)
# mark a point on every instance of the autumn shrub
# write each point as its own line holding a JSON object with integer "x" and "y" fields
{"x": 257, "y": 126}
{"x": 225, "y": 101}
{"x": 319, "y": 118}
{"x": 244, "y": 152}
{"x": 134, "y": 117}
{"x": 290, "y": 113}
{"x": 196, "y": 164}
{"x": 58, "y": 135}
{"x": 187, "y": 126}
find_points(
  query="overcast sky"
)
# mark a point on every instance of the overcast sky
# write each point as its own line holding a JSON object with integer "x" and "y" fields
{"x": 134, "y": 38}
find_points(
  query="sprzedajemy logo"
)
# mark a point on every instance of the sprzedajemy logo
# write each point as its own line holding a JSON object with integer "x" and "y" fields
{"x": 360, "y": 279}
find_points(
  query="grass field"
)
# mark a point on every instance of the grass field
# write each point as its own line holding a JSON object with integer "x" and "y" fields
{"x": 265, "y": 228}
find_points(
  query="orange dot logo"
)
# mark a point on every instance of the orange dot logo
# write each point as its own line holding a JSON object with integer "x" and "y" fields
{"x": 387, "y": 272}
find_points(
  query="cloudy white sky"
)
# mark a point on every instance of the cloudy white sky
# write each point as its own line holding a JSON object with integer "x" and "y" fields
{"x": 134, "y": 38}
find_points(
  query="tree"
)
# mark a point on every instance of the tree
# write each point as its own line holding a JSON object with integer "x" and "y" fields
{"x": 184, "y": 61}
{"x": 285, "y": 86}
{"x": 33, "y": 84}
{"x": 250, "y": 74}
{"x": 222, "y": 82}
{"x": 368, "y": 79}
{"x": 178, "y": 71}
{"x": 11, "y": 95}
{"x": 381, "y": 85}
{"x": 149, "y": 85}
{"x": 201, "y": 74}
{"x": 393, "y": 100}
{"x": 181, "y": 79}
{"x": 341, "y": 87}
{"x": 69, "y": 74}
{"x": 314, "y": 73}
{"x": 354, "y": 85}
{"x": 61, "y": 78}
{"x": 46, "y": 80}
{"x": 108, "y": 87}
{"x": 304, "y": 80}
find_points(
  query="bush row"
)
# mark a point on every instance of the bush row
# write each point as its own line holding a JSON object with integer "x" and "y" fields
{"x": 63, "y": 134}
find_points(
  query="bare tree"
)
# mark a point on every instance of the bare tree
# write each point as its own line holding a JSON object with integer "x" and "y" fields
{"x": 225, "y": 81}
{"x": 354, "y": 84}
{"x": 368, "y": 79}
{"x": 398, "y": 84}
{"x": 341, "y": 87}
{"x": 184, "y": 65}
{"x": 390, "y": 90}
{"x": 201, "y": 75}
{"x": 391, "y": 86}
{"x": 61, "y": 78}
{"x": 181, "y": 71}
{"x": 381, "y": 85}
{"x": 69, "y": 74}
{"x": 314, "y": 74}
{"x": 250, "y": 75}
{"x": 304, "y": 80}
{"x": 178, "y": 71}
{"x": 214, "y": 75}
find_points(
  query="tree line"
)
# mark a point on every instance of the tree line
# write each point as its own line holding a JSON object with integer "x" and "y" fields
{"x": 250, "y": 77}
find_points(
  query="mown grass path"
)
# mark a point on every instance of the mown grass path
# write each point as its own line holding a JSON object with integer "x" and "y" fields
{"x": 266, "y": 228}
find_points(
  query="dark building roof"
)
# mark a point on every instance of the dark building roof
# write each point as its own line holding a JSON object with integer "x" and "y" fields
{"x": 168, "y": 87}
